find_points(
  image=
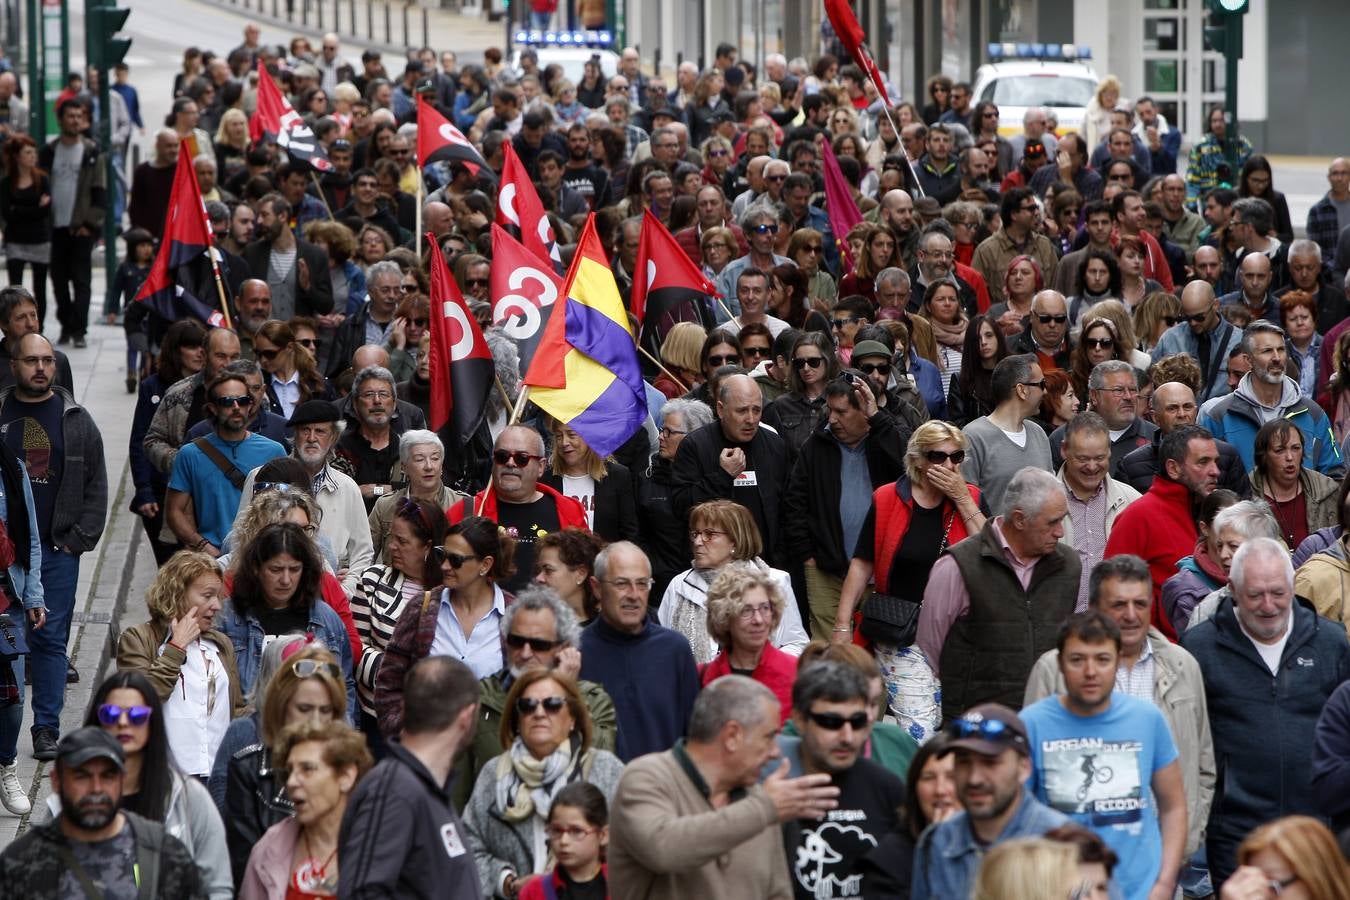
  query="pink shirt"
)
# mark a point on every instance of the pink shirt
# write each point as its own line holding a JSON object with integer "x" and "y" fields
{"x": 947, "y": 599}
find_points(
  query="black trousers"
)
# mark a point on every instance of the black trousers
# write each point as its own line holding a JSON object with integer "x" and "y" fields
{"x": 72, "y": 272}
{"x": 14, "y": 268}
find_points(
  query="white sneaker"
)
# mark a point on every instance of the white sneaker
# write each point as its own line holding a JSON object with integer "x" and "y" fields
{"x": 12, "y": 793}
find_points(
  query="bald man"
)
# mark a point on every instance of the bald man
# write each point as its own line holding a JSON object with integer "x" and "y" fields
{"x": 1173, "y": 405}
{"x": 1254, "y": 277}
{"x": 1203, "y": 335}
{"x": 152, "y": 184}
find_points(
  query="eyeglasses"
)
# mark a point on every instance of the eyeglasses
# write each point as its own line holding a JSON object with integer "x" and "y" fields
{"x": 833, "y": 721}
{"x": 937, "y": 457}
{"x": 552, "y": 705}
{"x": 1036, "y": 384}
{"x": 1030, "y": 208}
{"x": 307, "y": 343}
{"x": 727, "y": 360}
{"x": 232, "y": 400}
{"x": 1171, "y": 320}
{"x": 1277, "y": 887}
{"x": 308, "y": 668}
{"x": 368, "y": 396}
{"x": 109, "y": 714}
{"x": 1046, "y": 319}
{"x": 716, "y": 151}
{"x": 848, "y": 320}
{"x": 756, "y": 351}
{"x": 456, "y": 560}
{"x": 1120, "y": 391}
{"x": 519, "y": 458}
{"x": 813, "y": 248}
{"x": 875, "y": 368}
{"x": 764, "y": 228}
{"x": 538, "y": 645}
{"x": 1099, "y": 343}
{"x": 475, "y": 282}
{"x": 627, "y": 584}
{"x": 801, "y": 362}
{"x": 703, "y": 534}
{"x": 749, "y": 612}
{"x": 1199, "y": 317}
{"x": 775, "y": 179}
{"x": 571, "y": 832}
{"x": 268, "y": 355}
{"x": 939, "y": 254}
{"x": 408, "y": 288}
{"x": 664, "y": 431}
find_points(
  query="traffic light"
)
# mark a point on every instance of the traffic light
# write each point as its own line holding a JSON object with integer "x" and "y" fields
{"x": 102, "y": 22}
{"x": 1223, "y": 26}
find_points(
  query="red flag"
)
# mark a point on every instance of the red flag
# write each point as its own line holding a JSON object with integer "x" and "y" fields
{"x": 839, "y": 205}
{"x": 518, "y": 204}
{"x": 460, "y": 362}
{"x": 667, "y": 286}
{"x": 187, "y": 235}
{"x": 524, "y": 288}
{"x": 276, "y": 120}
{"x": 851, "y": 35}
{"x": 437, "y": 139}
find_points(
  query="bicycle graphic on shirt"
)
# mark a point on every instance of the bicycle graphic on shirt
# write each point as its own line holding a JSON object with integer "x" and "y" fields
{"x": 1092, "y": 772}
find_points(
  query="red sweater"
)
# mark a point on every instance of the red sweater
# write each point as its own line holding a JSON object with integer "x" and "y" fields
{"x": 776, "y": 671}
{"x": 570, "y": 512}
{"x": 1159, "y": 528}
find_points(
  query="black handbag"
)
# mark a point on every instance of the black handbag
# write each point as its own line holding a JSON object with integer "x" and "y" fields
{"x": 894, "y": 621}
{"x": 13, "y": 638}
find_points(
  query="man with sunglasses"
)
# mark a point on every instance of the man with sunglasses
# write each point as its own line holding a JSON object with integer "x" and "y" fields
{"x": 993, "y": 766}
{"x": 209, "y": 473}
{"x": 837, "y": 469}
{"x": 1045, "y": 332}
{"x": 830, "y": 718}
{"x": 760, "y": 224}
{"x": 896, "y": 393}
{"x": 60, "y": 446}
{"x": 1018, "y": 237}
{"x": 1108, "y": 761}
{"x": 539, "y": 631}
{"x": 1005, "y": 442}
{"x": 1203, "y": 335}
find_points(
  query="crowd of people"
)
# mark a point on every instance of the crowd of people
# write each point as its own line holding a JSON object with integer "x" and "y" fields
{"x": 995, "y": 548}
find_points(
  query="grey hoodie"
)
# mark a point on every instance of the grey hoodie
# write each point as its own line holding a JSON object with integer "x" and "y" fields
{"x": 1289, "y": 395}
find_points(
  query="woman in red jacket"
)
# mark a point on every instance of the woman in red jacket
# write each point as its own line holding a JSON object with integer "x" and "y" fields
{"x": 745, "y": 606}
{"x": 911, "y": 523}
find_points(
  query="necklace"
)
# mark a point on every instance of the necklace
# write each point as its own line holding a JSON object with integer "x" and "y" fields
{"x": 312, "y": 877}
{"x": 1285, "y": 514}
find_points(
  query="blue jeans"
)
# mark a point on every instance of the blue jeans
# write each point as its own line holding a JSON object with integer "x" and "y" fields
{"x": 11, "y": 720}
{"x": 60, "y": 572}
{"x": 540, "y": 21}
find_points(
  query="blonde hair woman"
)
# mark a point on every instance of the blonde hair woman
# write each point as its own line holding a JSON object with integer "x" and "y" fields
{"x": 1097, "y": 116}
{"x": 602, "y": 486}
{"x": 189, "y": 662}
{"x": 680, "y": 352}
{"x": 1028, "y": 869}
{"x": 1297, "y": 852}
{"x": 1115, "y": 311}
{"x": 231, "y": 144}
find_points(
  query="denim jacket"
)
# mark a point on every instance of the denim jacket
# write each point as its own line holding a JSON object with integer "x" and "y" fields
{"x": 246, "y": 634}
{"x": 948, "y": 857}
{"x": 27, "y": 583}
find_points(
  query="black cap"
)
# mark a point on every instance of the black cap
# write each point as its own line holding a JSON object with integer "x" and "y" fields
{"x": 311, "y": 412}
{"x": 720, "y": 117}
{"x": 89, "y": 743}
{"x": 987, "y": 729}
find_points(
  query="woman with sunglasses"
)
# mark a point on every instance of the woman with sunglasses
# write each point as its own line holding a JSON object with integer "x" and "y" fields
{"x": 801, "y": 410}
{"x": 460, "y": 616}
{"x": 292, "y": 373}
{"x": 276, "y": 591}
{"x": 1098, "y": 342}
{"x": 719, "y": 157}
{"x": 182, "y": 353}
{"x": 972, "y": 391}
{"x": 405, "y": 334}
{"x": 547, "y": 730}
{"x": 189, "y": 662}
{"x": 304, "y": 684}
{"x": 384, "y": 590}
{"x": 722, "y": 534}
{"x": 127, "y": 706}
{"x": 603, "y": 487}
{"x": 806, "y": 248}
{"x": 1157, "y": 312}
{"x": 942, "y": 308}
{"x": 298, "y": 856}
{"x": 1115, "y": 312}
{"x": 911, "y": 523}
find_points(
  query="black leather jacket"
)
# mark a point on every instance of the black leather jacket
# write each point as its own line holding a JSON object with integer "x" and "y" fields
{"x": 255, "y": 800}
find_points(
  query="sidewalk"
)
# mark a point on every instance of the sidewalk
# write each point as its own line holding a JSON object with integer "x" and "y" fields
{"x": 113, "y": 578}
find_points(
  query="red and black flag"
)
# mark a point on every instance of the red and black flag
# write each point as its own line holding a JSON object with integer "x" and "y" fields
{"x": 667, "y": 286}
{"x": 851, "y": 35}
{"x": 524, "y": 288}
{"x": 438, "y": 140}
{"x": 187, "y": 235}
{"x": 460, "y": 363}
{"x": 276, "y": 120}
{"x": 519, "y": 206}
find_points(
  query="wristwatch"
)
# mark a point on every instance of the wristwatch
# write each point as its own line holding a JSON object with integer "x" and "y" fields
{"x": 377, "y": 491}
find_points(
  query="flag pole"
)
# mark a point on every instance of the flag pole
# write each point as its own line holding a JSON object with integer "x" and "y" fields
{"x": 482, "y": 498}
{"x": 220, "y": 287}
{"x": 417, "y": 230}
{"x": 314, "y": 176}
{"x": 723, "y": 305}
{"x": 886, "y": 109}
{"x": 656, "y": 362}
{"x": 502, "y": 389}
{"x": 520, "y": 405}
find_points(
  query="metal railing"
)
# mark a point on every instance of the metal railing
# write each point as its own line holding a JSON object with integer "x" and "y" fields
{"x": 382, "y": 22}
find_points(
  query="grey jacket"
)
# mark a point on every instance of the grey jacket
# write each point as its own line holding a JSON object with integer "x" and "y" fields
{"x": 1179, "y": 692}
{"x": 500, "y": 846}
{"x": 81, "y": 508}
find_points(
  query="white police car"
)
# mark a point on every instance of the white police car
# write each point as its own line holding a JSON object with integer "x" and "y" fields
{"x": 1019, "y": 76}
{"x": 569, "y": 49}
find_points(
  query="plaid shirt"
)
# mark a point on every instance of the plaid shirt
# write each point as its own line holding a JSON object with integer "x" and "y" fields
{"x": 1324, "y": 227}
{"x": 1089, "y": 535}
{"x": 1137, "y": 682}
{"x": 1202, "y": 173}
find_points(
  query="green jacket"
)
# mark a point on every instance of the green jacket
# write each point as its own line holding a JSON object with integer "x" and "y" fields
{"x": 487, "y": 741}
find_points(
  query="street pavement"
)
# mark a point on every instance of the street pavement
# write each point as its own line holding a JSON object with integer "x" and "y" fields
{"x": 114, "y": 576}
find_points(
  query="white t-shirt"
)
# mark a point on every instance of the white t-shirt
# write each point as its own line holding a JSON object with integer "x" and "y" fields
{"x": 1017, "y": 437}
{"x": 581, "y": 488}
{"x": 1115, "y": 435}
{"x": 1271, "y": 653}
